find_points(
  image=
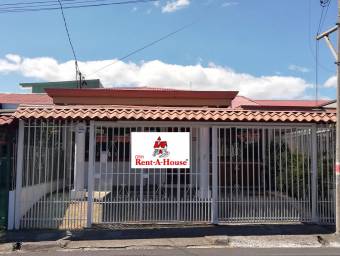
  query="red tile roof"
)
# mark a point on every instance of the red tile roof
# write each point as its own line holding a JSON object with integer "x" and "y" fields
{"x": 6, "y": 119}
{"x": 293, "y": 103}
{"x": 28, "y": 98}
{"x": 240, "y": 101}
{"x": 170, "y": 113}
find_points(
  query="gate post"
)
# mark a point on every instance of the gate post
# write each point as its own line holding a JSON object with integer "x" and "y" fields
{"x": 214, "y": 204}
{"x": 78, "y": 191}
{"x": 90, "y": 181}
{"x": 20, "y": 164}
{"x": 314, "y": 175}
{"x": 204, "y": 139}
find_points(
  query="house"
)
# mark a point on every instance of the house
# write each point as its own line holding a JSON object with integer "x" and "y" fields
{"x": 250, "y": 160}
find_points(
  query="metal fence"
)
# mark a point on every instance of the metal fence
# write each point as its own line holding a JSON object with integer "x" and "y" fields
{"x": 326, "y": 174}
{"x": 264, "y": 174}
{"x": 122, "y": 194}
{"x": 71, "y": 175}
{"x": 45, "y": 187}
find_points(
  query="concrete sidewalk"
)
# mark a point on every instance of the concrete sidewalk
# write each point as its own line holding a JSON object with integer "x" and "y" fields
{"x": 228, "y": 236}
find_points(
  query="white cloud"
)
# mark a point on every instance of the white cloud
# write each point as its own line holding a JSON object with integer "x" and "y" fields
{"x": 331, "y": 82}
{"x": 298, "y": 68}
{"x": 159, "y": 74}
{"x": 174, "y": 5}
{"x": 227, "y": 4}
{"x": 13, "y": 57}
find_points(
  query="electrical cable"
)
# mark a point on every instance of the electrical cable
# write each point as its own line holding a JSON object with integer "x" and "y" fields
{"x": 324, "y": 4}
{"x": 69, "y": 40}
{"x": 72, "y": 5}
{"x": 152, "y": 43}
{"x": 145, "y": 46}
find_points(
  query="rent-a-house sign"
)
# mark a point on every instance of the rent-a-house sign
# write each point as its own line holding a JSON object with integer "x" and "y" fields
{"x": 160, "y": 150}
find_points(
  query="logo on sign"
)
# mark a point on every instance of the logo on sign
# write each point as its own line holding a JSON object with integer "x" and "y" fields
{"x": 160, "y": 150}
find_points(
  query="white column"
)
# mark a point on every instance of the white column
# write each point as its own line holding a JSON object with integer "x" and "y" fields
{"x": 214, "y": 162}
{"x": 204, "y": 142}
{"x": 314, "y": 176}
{"x": 90, "y": 174}
{"x": 79, "y": 162}
{"x": 20, "y": 159}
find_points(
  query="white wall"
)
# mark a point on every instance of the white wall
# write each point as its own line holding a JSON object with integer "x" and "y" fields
{"x": 32, "y": 194}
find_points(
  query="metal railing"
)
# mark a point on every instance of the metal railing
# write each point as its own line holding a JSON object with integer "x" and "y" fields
{"x": 71, "y": 175}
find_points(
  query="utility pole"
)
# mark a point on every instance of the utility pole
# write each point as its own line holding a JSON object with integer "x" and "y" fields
{"x": 336, "y": 54}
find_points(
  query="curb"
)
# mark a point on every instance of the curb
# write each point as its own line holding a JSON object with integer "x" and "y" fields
{"x": 315, "y": 241}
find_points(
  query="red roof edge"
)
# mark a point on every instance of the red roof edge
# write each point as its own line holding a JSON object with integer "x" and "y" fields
{"x": 140, "y": 93}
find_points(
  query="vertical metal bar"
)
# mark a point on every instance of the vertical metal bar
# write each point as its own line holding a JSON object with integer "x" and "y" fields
{"x": 90, "y": 181}
{"x": 123, "y": 182}
{"x": 129, "y": 177}
{"x": 219, "y": 171}
{"x": 281, "y": 209}
{"x": 247, "y": 213}
{"x": 236, "y": 203}
{"x": 286, "y": 176}
{"x": 58, "y": 175}
{"x": 32, "y": 210}
{"x": 64, "y": 204}
{"x": 119, "y": 199}
{"x": 98, "y": 190}
{"x": 44, "y": 199}
{"x": 259, "y": 163}
{"x": 114, "y": 173}
{"x": 38, "y": 204}
{"x": 274, "y": 211}
{"x": 264, "y": 199}
{"x": 253, "y": 199}
{"x": 178, "y": 189}
{"x": 314, "y": 175}
{"x": 214, "y": 205}
{"x": 71, "y": 170}
{"x": 242, "y": 175}
{"x": 51, "y": 213}
{"x": 141, "y": 196}
{"x": 19, "y": 170}
{"x": 26, "y": 158}
{"x": 303, "y": 196}
{"x": 107, "y": 183}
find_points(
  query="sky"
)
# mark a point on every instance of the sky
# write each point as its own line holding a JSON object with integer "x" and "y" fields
{"x": 263, "y": 49}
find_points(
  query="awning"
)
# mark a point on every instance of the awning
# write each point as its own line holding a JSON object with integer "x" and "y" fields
{"x": 115, "y": 112}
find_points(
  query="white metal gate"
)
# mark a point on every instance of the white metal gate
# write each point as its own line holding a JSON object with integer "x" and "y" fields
{"x": 74, "y": 174}
{"x": 121, "y": 194}
{"x": 265, "y": 174}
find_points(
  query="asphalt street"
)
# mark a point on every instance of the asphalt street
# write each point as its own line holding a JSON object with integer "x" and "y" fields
{"x": 193, "y": 252}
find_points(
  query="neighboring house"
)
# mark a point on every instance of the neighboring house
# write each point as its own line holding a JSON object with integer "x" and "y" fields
{"x": 251, "y": 160}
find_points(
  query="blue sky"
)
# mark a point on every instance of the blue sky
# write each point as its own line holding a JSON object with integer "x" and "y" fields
{"x": 264, "y": 48}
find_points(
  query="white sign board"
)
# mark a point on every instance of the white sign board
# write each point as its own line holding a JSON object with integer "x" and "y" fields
{"x": 160, "y": 150}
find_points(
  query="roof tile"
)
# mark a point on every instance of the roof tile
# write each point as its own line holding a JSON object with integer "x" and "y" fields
{"x": 170, "y": 113}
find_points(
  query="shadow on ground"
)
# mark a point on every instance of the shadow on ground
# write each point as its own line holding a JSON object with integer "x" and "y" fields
{"x": 149, "y": 232}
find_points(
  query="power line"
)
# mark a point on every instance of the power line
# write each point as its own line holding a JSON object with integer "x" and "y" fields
{"x": 69, "y": 40}
{"x": 144, "y": 47}
{"x": 153, "y": 42}
{"x": 312, "y": 50}
{"x": 55, "y": 2}
{"x": 324, "y": 4}
{"x": 70, "y": 4}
